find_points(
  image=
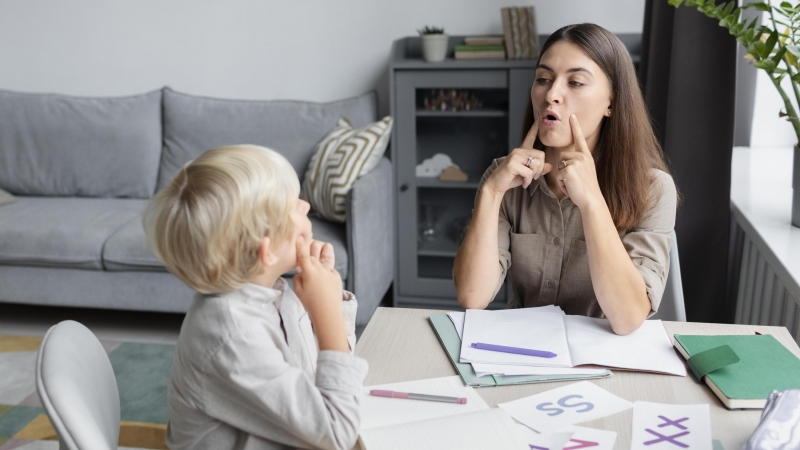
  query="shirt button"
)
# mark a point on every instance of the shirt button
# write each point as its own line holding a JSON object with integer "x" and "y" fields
{"x": 551, "y": 284}
{"x": 557, "y": 241}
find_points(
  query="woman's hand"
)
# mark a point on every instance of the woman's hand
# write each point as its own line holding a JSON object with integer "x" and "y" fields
{"x": 521, "y": 166}
{"x": 578, "y": 180}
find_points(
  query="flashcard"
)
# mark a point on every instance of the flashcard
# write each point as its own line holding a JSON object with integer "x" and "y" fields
{"x": 584, "y": 437}
{"x": 658, "y": 426}
{"x": 550, "y": 441}
{"x": 567, "y": 405}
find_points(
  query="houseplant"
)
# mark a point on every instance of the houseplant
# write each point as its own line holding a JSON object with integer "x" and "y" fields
{"x": 434, "y": 43}
{"x": 773, "y": 48}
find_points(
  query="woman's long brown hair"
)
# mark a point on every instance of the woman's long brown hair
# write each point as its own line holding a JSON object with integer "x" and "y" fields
{"x": 627, "y": 149}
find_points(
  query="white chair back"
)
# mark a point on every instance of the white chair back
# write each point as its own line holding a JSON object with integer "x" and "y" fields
{"x": 78, "y": 389}
{"x": 672, "y": 305}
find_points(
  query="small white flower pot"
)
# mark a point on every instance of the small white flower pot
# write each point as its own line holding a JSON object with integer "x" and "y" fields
{"x": 434, "y": 47}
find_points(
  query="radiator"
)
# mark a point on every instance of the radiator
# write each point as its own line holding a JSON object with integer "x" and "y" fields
{"x": 762, "y": 298}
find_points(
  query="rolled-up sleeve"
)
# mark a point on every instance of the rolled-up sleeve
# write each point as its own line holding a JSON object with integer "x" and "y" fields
{"x": 649, "y": 243}
{"x": 503, "y": 230}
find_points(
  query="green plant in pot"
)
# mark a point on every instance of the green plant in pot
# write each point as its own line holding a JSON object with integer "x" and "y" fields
{"x": 434, "y": 43}
{"x": 773, "y": 48}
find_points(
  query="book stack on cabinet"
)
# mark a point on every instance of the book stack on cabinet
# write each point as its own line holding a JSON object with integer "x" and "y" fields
{"x": 519, "y": 29}
{"x": 481, "y": 47}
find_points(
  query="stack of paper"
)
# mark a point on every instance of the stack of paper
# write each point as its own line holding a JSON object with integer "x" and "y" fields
{"x": 576, "y": 341}
{"x": 394, "y": 423}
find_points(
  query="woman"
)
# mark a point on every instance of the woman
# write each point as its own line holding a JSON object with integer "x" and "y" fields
{"x": 580, "y": 214}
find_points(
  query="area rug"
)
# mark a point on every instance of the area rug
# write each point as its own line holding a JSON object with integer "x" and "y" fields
{"x": 142, "y": 372}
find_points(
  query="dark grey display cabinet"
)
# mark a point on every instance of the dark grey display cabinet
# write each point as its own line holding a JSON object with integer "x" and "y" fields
{"x": 431, "y": 214}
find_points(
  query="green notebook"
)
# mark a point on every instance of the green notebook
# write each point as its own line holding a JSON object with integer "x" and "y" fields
{"x": 743, "y": 374}
{"x": 448, "y": 336}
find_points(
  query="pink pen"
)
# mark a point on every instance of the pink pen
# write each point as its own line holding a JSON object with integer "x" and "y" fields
{"x": 430, "y": 398}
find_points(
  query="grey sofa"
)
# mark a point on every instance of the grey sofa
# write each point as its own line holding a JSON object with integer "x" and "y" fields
{"x": 83, "y": 169}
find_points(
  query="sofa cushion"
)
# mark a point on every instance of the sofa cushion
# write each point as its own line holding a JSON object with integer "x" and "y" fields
{"x": 61, "y": 232}
{"x": 57, "y": 145}
{"x": 127, "y": 249}
{"x": 193, "y": 125}
{"x": 343, "y": 156}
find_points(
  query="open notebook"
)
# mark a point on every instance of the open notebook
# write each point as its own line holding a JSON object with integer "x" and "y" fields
{"x": 392, "y": 423}
{"x": 576, "y": 340}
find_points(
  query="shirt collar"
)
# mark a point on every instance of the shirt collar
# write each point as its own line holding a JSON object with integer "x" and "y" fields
{"x": 541, "y": 183}
{"x": 263, "y": 293}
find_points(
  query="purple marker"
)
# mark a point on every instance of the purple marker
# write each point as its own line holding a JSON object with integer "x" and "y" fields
{"x": 515, "y": 350}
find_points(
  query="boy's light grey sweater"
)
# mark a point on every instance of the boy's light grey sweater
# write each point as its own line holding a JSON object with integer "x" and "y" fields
{"x": 247, "y": 374}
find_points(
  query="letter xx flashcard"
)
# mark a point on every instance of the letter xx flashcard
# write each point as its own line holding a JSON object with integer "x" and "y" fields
{"x": 567, "y": 405}
{"x": 658, "y": 426}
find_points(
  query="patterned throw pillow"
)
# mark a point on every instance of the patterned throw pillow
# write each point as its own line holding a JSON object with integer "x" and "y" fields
{"x": 343, "y": 156}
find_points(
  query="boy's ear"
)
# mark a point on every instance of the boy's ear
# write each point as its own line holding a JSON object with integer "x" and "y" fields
{"x": 267, "y": 258}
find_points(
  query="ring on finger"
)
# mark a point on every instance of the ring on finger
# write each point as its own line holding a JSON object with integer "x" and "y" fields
{"x": 562, "y": 163}
{"x": 530, "y": 160}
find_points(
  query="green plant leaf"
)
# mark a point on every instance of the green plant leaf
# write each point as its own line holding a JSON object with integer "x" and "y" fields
{"x": 757, "y": 5}
{"x": 787, "y": 5}
{"x": 756, "y": 49}
{"x": 796, "y": 78}
{"x": 770, "y": 44}
{"x": 728, "y": 8}
{"x": 766, "y": 64}
{"x": 752, "y": 25}
{"x": 751, "y": 34}
{"x": 779, "y": 55}
{"x": 675, "y": 3}
{"x": 791, "y": 58}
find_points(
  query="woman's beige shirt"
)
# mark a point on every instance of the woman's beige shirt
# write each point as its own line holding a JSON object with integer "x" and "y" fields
{"x": 542, "y": 246}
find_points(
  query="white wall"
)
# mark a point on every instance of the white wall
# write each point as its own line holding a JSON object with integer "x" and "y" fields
{"x": 770, "y": 130}
{"x": 318, "y": 50}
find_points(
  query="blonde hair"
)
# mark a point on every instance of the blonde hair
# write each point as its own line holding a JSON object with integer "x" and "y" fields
{"x": 208, "y": 225}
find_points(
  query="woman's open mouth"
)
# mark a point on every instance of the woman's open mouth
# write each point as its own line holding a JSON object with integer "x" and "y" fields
{"x": 550, "y": 118}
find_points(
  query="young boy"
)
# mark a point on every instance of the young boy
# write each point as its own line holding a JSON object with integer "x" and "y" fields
{"x": 248, "y": 372}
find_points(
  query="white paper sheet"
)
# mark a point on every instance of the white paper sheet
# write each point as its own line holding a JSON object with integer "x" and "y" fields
{"x": 457, "y": 317}
{"x": 570, "y": 438}
{"x": 480, "y": 430}
{"x": 592, "y": 341}
{"x": 381, "y": 411}
{"x": 657, "y": 426}
{"x": 567, "y": 405}
{"x": 585, "y": 437}
{"x": 502, "y": 369}
{"x": 525, "y": 328}
{"x": 555, "y": 440}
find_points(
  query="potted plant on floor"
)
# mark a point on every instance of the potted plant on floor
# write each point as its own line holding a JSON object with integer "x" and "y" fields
{"x": 434, "y": 43}
{"x": 773, "y": 48}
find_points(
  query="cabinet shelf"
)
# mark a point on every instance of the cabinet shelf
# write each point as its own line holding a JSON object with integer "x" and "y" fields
{"x": 474, "y": 113}
{"x": 473, "y": 180}
{"x": 441, "y": 247}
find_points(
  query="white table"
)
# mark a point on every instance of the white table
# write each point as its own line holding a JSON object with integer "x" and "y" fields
{"x": 400, "y": 345}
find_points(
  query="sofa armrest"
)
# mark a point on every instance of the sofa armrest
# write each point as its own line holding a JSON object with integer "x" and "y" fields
{"x": 370, "y": 238}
